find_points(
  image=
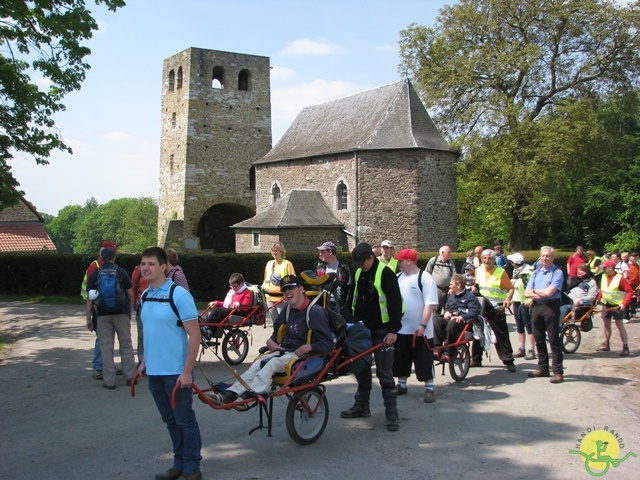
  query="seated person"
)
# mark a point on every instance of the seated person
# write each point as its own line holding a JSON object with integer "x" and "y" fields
{"x": 583, "y": 290}
{"x": 238, "y": 295}
{"x": 461, "y": 308}
{"x": 293, "y": 345}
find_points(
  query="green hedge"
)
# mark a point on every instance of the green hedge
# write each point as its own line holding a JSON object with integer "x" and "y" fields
{"x": 36, "y": 273}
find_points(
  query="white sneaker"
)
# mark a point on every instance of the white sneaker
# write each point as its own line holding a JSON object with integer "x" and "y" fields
{"x": 626, "y": 320}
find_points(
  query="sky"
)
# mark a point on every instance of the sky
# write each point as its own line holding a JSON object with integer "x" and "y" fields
{"x": 319, "y": 51}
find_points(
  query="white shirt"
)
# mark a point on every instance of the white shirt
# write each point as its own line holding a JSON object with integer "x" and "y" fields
{"x": 415, "y": 300}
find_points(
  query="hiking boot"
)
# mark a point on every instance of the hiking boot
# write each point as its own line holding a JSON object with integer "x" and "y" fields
{"x": 97, "y": 374}
{"x": 108, "y": 387}
{"x": 171, "y": 474}
{"x": 399, "y": 390}
{"x": 511, "y": 367}
{"x": 392, "y": 424}
{"x": 429, "y": 396}
{"x": 531, "y": 355}
{"x": 358, "y": 410}
{"x": 118, "y": 371}
{"x": 475, "y": 363}
{"x": 520, "y": 353}
{"x": 539, "y": 373}
{"x": 557, "y": 378}
{"x": 625, "y": 351}
{"x": 604, "y": 347}
{"x": 191, "y": 476}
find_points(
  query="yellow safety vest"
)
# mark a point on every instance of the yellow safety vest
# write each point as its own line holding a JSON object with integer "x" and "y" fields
{"x": 83, "y": 287}
{"x": 392, "y": 264}
{"x": 382, "y": 297}
{"x": 490, "y": 288}
{"x": 592, "y": 265}
{"x": 610, "y": 293}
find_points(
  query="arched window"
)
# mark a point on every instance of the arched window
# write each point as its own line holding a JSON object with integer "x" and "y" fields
{"x": 217, "y": 80}
{"x": 243, "y": 80}
{"x": 179, "y": 79}
{"x": 275, "y": 193}
{"x": 341, "y": 196}
{"x": 172, "y": 79}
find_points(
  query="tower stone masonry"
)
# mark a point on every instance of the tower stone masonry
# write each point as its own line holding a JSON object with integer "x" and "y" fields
{"x": 216, "y": 121}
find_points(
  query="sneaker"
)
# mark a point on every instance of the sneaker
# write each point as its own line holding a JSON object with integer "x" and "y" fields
{"x": 626, "y": 320}
{"x": 531, "y": 355}
{"x": 429, "y": 396}
{"x": 520, "y": 353}
{"x": 171, "y": 474}
{"x": 511, "y": 367}
{"x": 475, "y": 363}
{"x": 539, "y": 373}
{"x": 557, "y": 378}
{"x": 97, "y": 374}
{"x": 108, "y": 387}
{"x": 218, "y": 398}
{"x": 399, "y": 390}
{"x": 625, "y": 351}
{"x": 191, "y": 476}
{"x": 604, "y": 347}
{"x": 392, "y": 425}
{"x": 358, "y": 410}
{"x": 118, "y": 371}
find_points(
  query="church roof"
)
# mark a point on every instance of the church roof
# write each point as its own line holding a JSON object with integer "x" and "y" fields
{"x": 388, "y": 117}
{"x": 297, "y": 209}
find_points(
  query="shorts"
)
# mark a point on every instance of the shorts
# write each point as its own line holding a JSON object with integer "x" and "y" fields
{"x": 612, "y": 314}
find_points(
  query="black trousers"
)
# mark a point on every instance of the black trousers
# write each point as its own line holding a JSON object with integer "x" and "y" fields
{"x": 404, "y": 355}
{"x": 503, "y": 343}
{"x": 545, "y": 320}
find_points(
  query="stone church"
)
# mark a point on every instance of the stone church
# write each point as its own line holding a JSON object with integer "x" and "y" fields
{"x": 367, "y": 167}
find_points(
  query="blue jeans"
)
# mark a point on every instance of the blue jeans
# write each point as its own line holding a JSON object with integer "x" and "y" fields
{"x": 181, "y": 422}
{"x": 97, "y": 353}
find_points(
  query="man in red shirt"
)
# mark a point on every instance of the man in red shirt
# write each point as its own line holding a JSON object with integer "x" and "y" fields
{"x": 634, "y": 281}
{"x": 574, "y": 261}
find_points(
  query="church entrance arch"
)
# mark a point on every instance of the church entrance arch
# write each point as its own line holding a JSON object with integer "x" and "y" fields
{"x": 213, "y": 228}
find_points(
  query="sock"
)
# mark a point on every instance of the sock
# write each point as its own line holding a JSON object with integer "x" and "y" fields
{"x": 402, "y": 382}
{"x": 428, "y": 385}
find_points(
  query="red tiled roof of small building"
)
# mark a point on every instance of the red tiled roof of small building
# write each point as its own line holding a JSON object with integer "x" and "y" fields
{"x": 27, "y": 236}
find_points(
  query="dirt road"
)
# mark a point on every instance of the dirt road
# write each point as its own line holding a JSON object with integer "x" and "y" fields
{"x": 59, "y": 423}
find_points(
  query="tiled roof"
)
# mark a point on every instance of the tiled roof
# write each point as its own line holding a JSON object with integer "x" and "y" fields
{"x": 388, "y": 117}
{"x": 25, "y": 236}
{"x": 297, "y": 209}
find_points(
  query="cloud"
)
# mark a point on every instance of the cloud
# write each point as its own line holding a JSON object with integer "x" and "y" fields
{"x": 386, "y": 48}
{"x": 117, "y": 137}
{"x": 287, "y": 102}
{"x": 281, "y": 73}
{"x": 305, "y": 46}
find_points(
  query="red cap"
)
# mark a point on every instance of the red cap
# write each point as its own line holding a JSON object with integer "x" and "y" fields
{"x": 109, "y": 244}
{"x": 407, "y": 254}
{"x": 608, "y": 263}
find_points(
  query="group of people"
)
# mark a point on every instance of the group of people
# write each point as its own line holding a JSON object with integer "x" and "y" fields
{"x": 387, "y": 292}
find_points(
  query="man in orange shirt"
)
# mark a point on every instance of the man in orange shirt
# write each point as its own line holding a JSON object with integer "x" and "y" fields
{"x": 634, "y": 281}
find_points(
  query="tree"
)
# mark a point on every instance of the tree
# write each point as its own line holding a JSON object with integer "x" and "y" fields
{"x": 39, "y": 37}
{"x": 494, "y": 70}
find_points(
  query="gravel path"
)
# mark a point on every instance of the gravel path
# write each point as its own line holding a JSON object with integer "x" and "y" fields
{"x": 59, "y": 423}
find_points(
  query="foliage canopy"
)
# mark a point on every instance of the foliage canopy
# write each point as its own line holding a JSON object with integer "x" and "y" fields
{"x": 39, "y": 37}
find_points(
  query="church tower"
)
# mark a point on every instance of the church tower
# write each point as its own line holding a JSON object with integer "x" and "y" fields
{"x": 216, "y": 121}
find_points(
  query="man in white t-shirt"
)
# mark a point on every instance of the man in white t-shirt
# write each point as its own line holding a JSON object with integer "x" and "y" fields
{"x": 420, "y": 297}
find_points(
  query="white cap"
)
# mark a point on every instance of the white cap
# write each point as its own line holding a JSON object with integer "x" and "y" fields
{"x": 386, "y": 243}
{"x": 516, "y": 258}
{"x": 93, "y": 294}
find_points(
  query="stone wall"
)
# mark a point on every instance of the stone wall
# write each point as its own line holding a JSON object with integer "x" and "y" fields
{"x": 215, "y": 135}
{"x": 408, "y": 196}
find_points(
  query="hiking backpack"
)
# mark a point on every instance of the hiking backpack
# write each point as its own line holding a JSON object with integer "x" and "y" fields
{"x": 112, "y": 298}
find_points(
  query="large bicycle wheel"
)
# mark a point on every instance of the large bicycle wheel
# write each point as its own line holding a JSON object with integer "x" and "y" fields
{"x": 459, "y": 366}
{"x": 307, "y": 416}
{"x": 235, "y": 346}
{"x": 571, "y": 338}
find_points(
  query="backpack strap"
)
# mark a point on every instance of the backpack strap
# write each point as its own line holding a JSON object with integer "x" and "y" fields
{"x": 169, "y": 300}
{"x": 419, "y": 278}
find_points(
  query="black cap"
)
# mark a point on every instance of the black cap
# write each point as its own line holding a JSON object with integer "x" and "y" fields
{"x": 108, "y": 253}
{"x": 289, "y": 281}
{"x": 360, "y": 253}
